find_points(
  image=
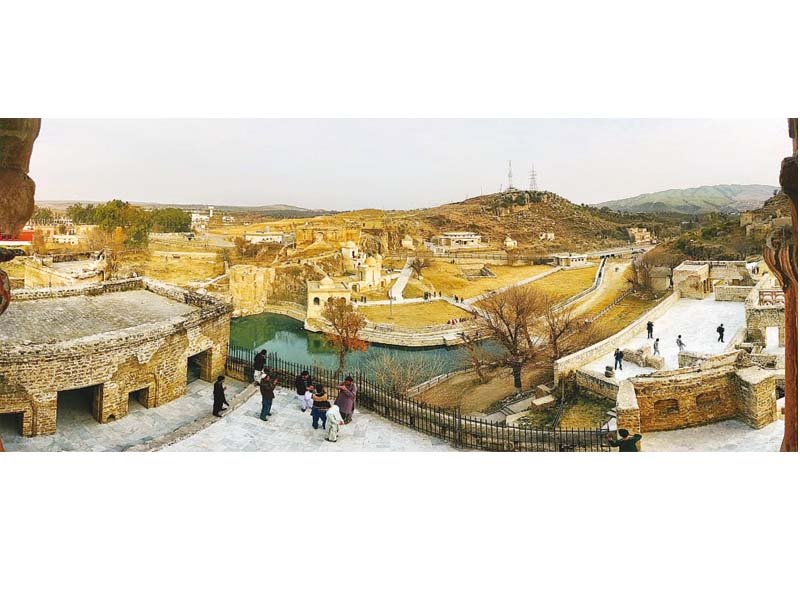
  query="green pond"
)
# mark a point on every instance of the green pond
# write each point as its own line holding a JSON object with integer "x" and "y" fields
{"x": 287, "y": 338}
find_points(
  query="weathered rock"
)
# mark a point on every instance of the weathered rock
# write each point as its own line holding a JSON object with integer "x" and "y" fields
{"x": 16, "y": 188}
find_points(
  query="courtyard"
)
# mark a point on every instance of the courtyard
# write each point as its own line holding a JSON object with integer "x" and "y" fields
{"x": 696, "y": 321}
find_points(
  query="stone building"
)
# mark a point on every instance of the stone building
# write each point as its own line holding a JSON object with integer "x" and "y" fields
{"x": 509, "y": 244}
{"x": 320, "y": 291}
{"x": 59, "y": 270}
{"x": 569, "y": 259}
{"x": 639, "y": 235}
{"x": 407, "y": 242}
{"x": 310, "y": 232}
{"x": 269, "y": 237}
{"x": 547, "y": 236}
{"x": 660, "y": 279}
{"x": 101, "y": 346}
{"x": 696, "y": 278}
{"x": 251, "y": 288}
{"x": 454, "y": 240}
{"x": 765, "y": 313}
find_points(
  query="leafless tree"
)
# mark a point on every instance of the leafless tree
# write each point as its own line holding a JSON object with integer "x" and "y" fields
{"x": 566, "y": 333}
{"x": 398, "y": 373}
{"x": 418, "y": 263}
{"x": 510, "y": 319}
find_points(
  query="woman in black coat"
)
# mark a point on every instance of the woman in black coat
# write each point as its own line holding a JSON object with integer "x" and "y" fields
{"x": 219, "y": 396}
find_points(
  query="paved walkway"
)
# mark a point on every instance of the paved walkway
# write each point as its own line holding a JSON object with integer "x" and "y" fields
{"x": 696, "y": 321}
{"x": 401, "y": 281}
{"x": 78, "y": 431}
{"x": 289, "y": 430}
{"x": 726, "y": 436}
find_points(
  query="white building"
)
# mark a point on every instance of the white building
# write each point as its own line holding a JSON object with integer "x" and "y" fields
{"x": 548, "y": 236}
{"x": 269, "y": 237}
{"x": 568, "y": 259}
{"x": 458, "y": 239}
{"x": 407, "y": 242}
{"x": 509, "y": 243}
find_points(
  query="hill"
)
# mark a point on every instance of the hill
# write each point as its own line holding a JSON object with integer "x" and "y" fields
{"x": 522, "y": 215}
{"x": 269, "y": 210}
{"x": 705, "y": 199}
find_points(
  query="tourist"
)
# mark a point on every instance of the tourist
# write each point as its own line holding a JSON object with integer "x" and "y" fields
{"x": 626, "y": 443}
{"x": 319, "y": 407}
{"x": 655, "y": 348}
{"x": 258, "y": 366}
{"x": 721, "y": 332}
{"x": 346, "y": 399}
{"x": 618, "y": 359}
{"x": 649, "y": 330}
{"x": 267, "y": 386}
{"x": 303, "y": 385}
{"x": 219, "y": 396}
{"x": 333, "y": 420}
{"x": 680, "y": 343}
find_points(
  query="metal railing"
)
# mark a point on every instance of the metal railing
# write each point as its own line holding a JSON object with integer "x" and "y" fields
{"x": 449, "y": 425}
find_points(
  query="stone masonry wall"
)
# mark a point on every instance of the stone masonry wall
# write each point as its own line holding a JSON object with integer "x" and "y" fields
{"x": 732, "y": 293}
{"x": 151, "y": 356}
{"x": 250, "y": 288}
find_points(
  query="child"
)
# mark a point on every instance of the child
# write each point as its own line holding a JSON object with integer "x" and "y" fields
{"x": 333, "y": 420}
{"x": 319, "y": 406}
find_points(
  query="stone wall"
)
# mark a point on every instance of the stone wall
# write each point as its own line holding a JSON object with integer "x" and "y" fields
{"x": 568, "y": 364}
{"x": 251, "y": 289}
{"x": 759, "y": 317}
{"x": 151, "y": 357}
{"x": 756, "y": 398}
{"x": 597, "y": 384}
{"x": 732, "y": 293}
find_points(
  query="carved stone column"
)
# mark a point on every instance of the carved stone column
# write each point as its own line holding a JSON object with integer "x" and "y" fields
{"x": 781, "y": 256}
{"x": 16, "y": 188}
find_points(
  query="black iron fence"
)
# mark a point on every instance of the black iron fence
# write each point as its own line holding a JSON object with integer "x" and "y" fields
{"x": 447, "y": 424}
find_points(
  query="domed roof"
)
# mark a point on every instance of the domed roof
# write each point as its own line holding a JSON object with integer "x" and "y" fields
{"x": 350, "y": 244}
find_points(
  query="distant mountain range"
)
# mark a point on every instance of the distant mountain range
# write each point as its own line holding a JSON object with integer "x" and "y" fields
{"x": 706, "y": 199}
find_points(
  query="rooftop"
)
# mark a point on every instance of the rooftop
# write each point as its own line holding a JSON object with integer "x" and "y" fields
{"x": 73, "y": 317}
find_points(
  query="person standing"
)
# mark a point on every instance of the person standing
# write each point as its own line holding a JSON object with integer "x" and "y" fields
{"x": 303, "y": 384}
{"x": 258, "y": 366}
{"x": 319, "y": 407}
{"x": 626, "y": 443}
{"x": 618, "y": 359}
{"x": 649, "y": 330}
{"x": 333, "y": 420}
{"x": 346, "y": 399}
{"x": 219, "y": 397}
{"x": 267, "y": 387}
{"x": 680, "y": 343}
{"x": 721, "y": 332}
{"x": 655, "y": 348}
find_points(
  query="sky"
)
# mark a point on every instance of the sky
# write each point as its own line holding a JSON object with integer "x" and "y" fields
{"x": 342, "y": 164}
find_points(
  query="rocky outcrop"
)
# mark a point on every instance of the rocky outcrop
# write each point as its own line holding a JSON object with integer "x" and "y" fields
{"x": 16, "y": 188}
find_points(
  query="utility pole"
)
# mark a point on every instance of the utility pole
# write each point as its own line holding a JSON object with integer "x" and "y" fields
{"x": 533, "y": 186}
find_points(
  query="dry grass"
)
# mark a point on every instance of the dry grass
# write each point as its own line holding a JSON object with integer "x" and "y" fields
{"x": 586, "y": 413}
{"x": 449, "y": 279}
{"x": 15, "y": 267}
{"x": 623, "y": 314}
{"x": 414, "y": 315}
{"x": 566, "y": 283}
{"x": 467, "y": 392}
{"x": 177, "y": 271}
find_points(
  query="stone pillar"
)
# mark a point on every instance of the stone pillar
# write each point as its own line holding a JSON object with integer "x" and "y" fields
{"x": 110, "y": 402}
{"x": 628, "y": 416}
{"x": 757, "y": 405}
{"x": 45, "y": 411}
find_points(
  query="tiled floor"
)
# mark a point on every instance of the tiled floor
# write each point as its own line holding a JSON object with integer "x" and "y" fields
{"x": 289, "y": 430}
{"x": 78, "y": 431}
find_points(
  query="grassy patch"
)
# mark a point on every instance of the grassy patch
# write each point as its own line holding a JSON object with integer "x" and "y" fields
{"x": 565, "y": 283}
{"x": 414, "y": 315}
{"x": 449, "y": 279}
{"x": 15, "y": 267}
{"x": 586, "y": 413}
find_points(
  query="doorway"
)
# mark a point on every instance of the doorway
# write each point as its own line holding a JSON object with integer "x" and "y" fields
{"x": 197, "y": 367}
{"x": 79, "y": 406}
{"x": 772, "y": 337}
{"x": 138, "y": 398}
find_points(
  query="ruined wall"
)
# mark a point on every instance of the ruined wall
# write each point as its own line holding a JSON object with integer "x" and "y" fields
{"x": 250, "y": 288}
{"x": 757, "y": 403}
{"x": 732, "y": 293}
{"x": 597, "y": 384}
{"x": 42, "y": 276}
{"x": 151, "y": 356}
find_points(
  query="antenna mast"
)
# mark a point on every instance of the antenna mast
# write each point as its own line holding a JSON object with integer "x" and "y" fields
{"x": 533, "y": 186}
{"x": 510, "y": 176}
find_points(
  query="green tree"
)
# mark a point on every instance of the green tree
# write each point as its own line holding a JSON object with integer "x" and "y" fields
{"x": 170, "y": 220}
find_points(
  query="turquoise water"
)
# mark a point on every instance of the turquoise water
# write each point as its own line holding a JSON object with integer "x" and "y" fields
{"x": 287, "y": 338}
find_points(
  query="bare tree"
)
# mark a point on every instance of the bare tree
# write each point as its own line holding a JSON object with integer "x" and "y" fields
{"x": 399, "y": 373}
{"x": 418, "y": 263}
{"x": 565, "y": 332}
{"x": 480, "y": 360}
{"x": 346, "y": 323}
{"x": 509, "y": 318}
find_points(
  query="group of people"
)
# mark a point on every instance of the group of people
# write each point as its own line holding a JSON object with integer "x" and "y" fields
{"x": 331, "y": 416}
{"x": 619, "y": 354}
{"x": 460, "y": 320}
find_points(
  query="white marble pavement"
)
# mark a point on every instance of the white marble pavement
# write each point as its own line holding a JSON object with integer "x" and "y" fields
{"x": 78, "y": 431}
{"x": 289, "y": 430}
{"x": 726, "y": 436}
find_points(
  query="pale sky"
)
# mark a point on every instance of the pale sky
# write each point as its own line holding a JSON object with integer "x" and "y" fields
{"x": 342, "y": 164}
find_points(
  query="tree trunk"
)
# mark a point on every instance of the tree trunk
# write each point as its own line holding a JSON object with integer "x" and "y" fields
{"x": 342, "y": 359}
{"x": 517, "y": 371}
{"x": 790, "y": 343}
